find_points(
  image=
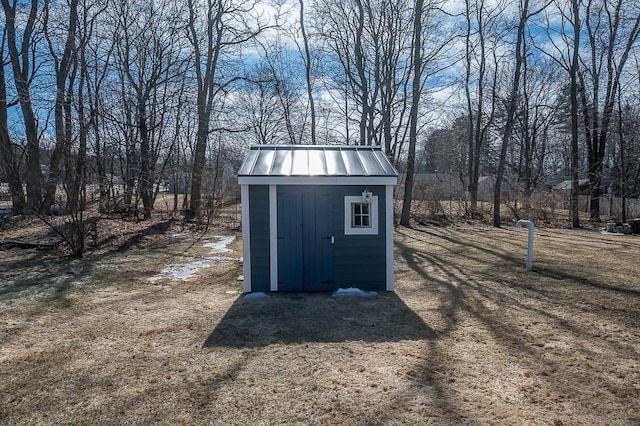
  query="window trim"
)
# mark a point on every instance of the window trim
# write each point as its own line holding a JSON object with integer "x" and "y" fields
{"x": 349, "y": 229}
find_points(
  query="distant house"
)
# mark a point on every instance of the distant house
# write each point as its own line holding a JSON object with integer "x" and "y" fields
{"x": 317, "y": 218}
{"x": 565, "y": 186}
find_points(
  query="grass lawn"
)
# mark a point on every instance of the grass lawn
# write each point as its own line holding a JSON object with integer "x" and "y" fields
{"x": 469, "y": 336}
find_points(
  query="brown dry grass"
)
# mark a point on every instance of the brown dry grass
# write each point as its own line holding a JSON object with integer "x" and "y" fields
{"x": 468, "y": 337}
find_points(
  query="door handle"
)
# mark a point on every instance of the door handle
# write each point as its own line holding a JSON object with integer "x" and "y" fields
{"x": 333, "y": 240}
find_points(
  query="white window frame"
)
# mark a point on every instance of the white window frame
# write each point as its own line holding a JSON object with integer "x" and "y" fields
{"x": 349, "y": 229}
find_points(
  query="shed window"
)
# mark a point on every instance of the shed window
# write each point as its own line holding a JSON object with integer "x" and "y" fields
{"x": 360, "y": 218}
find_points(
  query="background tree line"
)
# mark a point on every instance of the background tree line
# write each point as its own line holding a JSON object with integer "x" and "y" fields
{"x": 118, "y": 97}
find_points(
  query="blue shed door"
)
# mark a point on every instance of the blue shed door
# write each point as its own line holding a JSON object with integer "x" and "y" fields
{"x": 305, "y": 238}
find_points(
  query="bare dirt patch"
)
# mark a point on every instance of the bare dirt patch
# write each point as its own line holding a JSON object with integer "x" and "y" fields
{"x": 468, "y": 337}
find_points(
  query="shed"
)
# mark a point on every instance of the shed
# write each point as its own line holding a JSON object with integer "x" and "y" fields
{"x": 317, "y": 218}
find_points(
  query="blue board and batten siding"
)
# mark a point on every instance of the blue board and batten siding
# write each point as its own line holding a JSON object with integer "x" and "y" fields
{"x": 308, "y": 216}
{"x": 359, "y": 259}
{"x": 259, "y": 236}
{"x": 294, "y": 222}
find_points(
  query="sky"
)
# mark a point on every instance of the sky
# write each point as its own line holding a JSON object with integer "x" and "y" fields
{"x": 446, "y": 89}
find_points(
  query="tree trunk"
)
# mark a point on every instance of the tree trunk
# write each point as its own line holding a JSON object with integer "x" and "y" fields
{"x": 573, "y": 75}
{"x": 405, "y": 218}
{"x": 7, "y": 155}
{"x": 145, "y": 184}
{"x": 609, "y": 52}
{"x": 62, "y": 107}
{"x": 513, "y": 97}
{"x": 21, "y": 68}
{"x": 623, "y": 172}
{"x": 206, "y": 64}
{"x": 476, "y": 131}
{"x": 198, "y": 167}
{"x": 307, "y": 66}
{"x": 362, "y": 77}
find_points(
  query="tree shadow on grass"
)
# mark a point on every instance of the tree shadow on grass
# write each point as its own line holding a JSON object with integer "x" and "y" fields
{"x": 160, "y": 228}
{"x": 317, "y": 317}
{"x": 52, "y": 274}
{"x": 597, "y": 285}
{"x": 543, "y": 326}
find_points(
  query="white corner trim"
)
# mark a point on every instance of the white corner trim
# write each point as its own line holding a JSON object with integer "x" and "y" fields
{"x": 246, "y": 238}
{"x": 389, "y": 237}
{"x": 273, "y": 237}
{"x": 348, "y": 230}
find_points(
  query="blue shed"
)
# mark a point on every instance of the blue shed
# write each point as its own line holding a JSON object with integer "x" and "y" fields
{"x": 317, "y": 218}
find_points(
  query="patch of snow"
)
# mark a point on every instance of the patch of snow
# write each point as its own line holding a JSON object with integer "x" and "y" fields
{"x": 353, "y": 292}
{"x": 256, "y": 295}
{"x": 182, "y": 271}
{"x": 186, "y": 271}
{"x": 222, "y": 259}
{"x": 180, "y": 237}
{"x": 221, "y": 245}
{"x": 605, "y": 232}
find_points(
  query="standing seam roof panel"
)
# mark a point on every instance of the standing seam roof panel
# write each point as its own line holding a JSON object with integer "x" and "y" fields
{"x": 335, "y": 163}
{"x": 360, "y": 156}
{"x": 352, "y": 162}
{"x": 264, "y": 162}
{"x": 317, "y": 163}
{"x": 372, "y": 163}
{"x": 249, "y": 162}
{"x": 282, "y": 163}
{"x": 299, "y": 163}
{"x": 313, "y": 160}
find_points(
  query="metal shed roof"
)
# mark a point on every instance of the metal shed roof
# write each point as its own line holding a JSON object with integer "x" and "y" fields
{"x": 294, "y": 164}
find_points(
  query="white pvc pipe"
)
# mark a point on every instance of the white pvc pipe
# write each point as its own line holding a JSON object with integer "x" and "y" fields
{"x": 529, "y": 226}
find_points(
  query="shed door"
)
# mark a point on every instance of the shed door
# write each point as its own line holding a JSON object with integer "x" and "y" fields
{"x": 305, "y": 231}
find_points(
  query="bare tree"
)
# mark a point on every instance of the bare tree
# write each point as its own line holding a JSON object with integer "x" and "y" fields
{"x": 534, "y": 122}
{"x": 214, "y": 28}
{"x": 97, "y": 53}
{"x": 481, "y": 22}
{"x": 573, "y": 76}
{"x": 65, "y": 68}
{"x": 87, "y": 101}
{"x": 280, "y": 76}
{"x": 621, "y": 141}
{"x": 368, "y": 53}
{"x": 351, "y": 31}
{"x": 258, "y": 105}
{"x": 512, "y": 101}
{"x": 394, "y": 73}
{"x": 151, "y": 62}
{"x": 23, "y": 67}
{"x": 612, "y": 30}
{"x": 8, "y": 156}
{"x": 567, "y": 55}
{"x": 307, "y": 68}
{"x": 405, "y": 218}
